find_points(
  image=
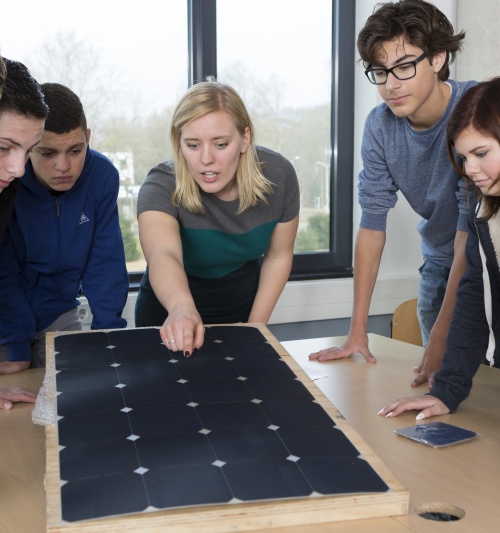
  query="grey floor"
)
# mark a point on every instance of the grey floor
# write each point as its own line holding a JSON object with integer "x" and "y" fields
{"x": 326, "y": 328}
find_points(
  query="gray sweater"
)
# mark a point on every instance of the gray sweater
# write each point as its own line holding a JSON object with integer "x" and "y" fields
{"x": 398, "y": 157}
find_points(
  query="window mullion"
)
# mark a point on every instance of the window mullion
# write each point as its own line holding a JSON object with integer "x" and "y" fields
{"x": 202, "y": 40}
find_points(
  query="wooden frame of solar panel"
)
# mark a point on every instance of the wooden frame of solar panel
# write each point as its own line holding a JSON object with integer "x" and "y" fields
{"x": 247, "y": 515}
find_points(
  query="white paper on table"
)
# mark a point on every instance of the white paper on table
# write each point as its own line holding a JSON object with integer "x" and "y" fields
{"x": 300, "y": 351}
{"x": 313, "y": 372}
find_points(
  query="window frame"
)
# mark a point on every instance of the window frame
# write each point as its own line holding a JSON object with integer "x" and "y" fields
{"x": 202, "y": 54}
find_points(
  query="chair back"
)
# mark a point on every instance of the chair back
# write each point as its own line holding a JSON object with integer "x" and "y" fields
{"x": 405, "y": 326}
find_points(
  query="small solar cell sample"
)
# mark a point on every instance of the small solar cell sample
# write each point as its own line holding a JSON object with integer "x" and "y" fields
{"x": 142, "y": 427}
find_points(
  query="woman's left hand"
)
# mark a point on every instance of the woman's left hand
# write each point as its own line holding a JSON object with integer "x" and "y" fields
{"x": 427, "y": 405}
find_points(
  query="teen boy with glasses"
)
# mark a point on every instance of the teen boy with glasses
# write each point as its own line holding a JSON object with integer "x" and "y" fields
{"x": 406, "y": 48}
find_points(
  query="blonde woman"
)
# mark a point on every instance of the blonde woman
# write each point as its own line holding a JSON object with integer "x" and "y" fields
{"x": 217, "y": 224}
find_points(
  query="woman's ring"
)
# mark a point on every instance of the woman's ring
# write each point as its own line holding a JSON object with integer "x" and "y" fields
{"x": 172, "y": 340}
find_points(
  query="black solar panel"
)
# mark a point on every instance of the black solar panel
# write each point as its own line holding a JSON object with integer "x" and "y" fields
{"x": 142, "y": 427}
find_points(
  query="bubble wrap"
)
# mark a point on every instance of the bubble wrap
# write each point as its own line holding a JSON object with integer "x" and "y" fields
{"x": 45, "y": 410}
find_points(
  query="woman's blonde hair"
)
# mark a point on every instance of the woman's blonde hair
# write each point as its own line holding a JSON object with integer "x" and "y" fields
{"x": 200, "y": 99}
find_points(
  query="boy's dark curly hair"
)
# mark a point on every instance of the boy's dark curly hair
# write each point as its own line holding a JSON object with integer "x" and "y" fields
{"x": 420, "y": 23}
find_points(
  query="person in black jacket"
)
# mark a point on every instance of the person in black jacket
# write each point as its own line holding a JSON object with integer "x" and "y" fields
{"x": 22, "y": 116}
{"x": 473, "y": 133}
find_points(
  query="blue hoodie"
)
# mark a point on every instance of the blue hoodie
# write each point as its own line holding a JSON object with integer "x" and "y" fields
{"x": 56, "y": 246}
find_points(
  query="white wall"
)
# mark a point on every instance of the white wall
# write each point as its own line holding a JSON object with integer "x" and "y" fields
{"x": 479, "y": 57}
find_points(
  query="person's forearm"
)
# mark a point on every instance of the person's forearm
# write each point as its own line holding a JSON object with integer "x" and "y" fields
{"x": 275, "y": 270}
{"x": 442, "y": 325}
{"x": 162, "y": 246}
{"x": 368, "y": 252}
{"x": 169, "y": 282}
{"x": 273, "y": 276}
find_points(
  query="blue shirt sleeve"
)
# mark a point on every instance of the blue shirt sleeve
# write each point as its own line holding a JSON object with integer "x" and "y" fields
{"x": 377, "y": 192}
{"x": 105, "y": 277}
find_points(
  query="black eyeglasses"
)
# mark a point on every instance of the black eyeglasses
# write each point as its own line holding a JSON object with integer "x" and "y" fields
{"x": 404, "y": 71}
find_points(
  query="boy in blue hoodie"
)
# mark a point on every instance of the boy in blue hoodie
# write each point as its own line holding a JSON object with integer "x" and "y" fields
{"x": 63, "y": 237}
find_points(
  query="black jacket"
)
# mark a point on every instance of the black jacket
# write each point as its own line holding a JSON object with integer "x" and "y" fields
{"x": 7, "y": 198}
{"x": 471, "y": 340}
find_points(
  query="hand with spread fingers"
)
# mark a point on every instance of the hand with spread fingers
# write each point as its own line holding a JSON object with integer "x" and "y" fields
{"x": 351, "y": 346}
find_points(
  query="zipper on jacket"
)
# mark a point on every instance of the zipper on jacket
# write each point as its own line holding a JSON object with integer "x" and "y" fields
{"x": 488, "y": 304}
{"x": 58, "y": 224}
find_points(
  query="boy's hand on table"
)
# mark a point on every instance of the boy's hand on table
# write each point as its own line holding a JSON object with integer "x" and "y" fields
{"x": 430, "y": 364}
{"x": 350, "y": 346}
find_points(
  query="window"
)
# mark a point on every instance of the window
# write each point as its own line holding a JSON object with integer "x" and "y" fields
{"x": 285, "y": 82}
{"x": 292, "y": 62}
{"x": 127, "y": 67}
